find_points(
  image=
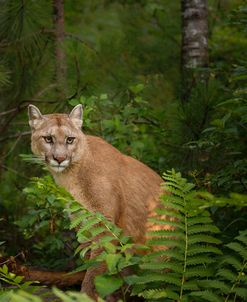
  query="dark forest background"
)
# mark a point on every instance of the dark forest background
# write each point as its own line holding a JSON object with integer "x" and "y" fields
{"x": 148, "y": 85}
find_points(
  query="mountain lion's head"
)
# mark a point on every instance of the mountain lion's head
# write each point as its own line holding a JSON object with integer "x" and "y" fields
{"x": 57, "y": 138}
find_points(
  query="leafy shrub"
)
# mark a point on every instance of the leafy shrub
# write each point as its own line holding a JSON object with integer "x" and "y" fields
{"x": 46, "y": 226}
{"x": 11, "y": 279}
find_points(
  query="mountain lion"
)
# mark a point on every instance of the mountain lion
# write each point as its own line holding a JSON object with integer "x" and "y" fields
{"x": 99, "y": 176}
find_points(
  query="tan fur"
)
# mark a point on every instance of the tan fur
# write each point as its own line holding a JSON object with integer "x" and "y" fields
{"x": 99, "y": 176}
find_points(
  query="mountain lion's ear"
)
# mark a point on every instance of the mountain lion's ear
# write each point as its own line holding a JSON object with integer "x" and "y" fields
{"x": 76, "y": 116}
{"x": 35, "y": 117}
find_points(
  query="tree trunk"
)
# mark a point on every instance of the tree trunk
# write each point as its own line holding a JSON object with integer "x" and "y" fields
{"x": 60, "y": 57}
{"x": 194, "y": 44}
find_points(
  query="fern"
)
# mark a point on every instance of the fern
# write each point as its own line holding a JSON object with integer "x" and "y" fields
{"x": 231, "y": 280}
{"x": 188, "y": 264}
{"x": 192, "y": 248}
{"x": 96, "y": 233}
{"x": 233, "y": 269}
{"x": 91, "y": 225}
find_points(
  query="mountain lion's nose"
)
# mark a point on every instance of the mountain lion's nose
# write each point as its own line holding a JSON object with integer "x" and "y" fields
{"x": 59, "y": 159}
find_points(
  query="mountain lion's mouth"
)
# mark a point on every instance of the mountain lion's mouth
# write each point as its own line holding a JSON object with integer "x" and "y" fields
{"x": 56, "y": 167}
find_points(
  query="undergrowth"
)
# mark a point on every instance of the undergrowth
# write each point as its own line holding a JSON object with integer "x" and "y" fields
{"x": 187, "y": 262}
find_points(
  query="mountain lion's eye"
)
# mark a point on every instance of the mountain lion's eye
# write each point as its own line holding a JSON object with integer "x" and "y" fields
{"x": 48, "y": 139}
{"x": 70, "y": 140}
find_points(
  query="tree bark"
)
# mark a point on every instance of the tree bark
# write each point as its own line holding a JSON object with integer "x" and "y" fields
{"x": 194, "y": 44}
{"x": 60, "y": 57}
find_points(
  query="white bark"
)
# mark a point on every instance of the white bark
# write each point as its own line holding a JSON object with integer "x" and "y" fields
{"x": 194, "y": 49}
{"x": 194, "y": 33}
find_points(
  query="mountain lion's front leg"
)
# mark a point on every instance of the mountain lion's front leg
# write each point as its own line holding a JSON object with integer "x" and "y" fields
{"x": 88, "y": 286}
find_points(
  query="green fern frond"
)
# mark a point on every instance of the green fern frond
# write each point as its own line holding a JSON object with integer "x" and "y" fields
{"x": 233, "y": 261}
{"x": 172, "y": 198}
{"x": 166, "y": 242}
{"x": 199, "y": 220}
{"x": 226, "y": 274}
{"x": 169, "y": 212}
{"x": 75, "y": 207}
{"x": 174, "y": 184}
{"x": 76, "y": 221}
{"x": 189, "y": 249}
{"x": 238, "y": 248}
{"x": 106, "y": 239}
{"x": 159, "y": 221}
{"x": 195, "y": 260}
{"x": 82, "y": 237}
{"x": 174, "y": 191}
{"x": 96, "y": 230}
{"x": 202, "y": 239}
{"x": 89, "y": 224}
{"x": 155, "y": 294}
{"x": 242, "y": 237}
{"x": 153, "y": 277}
{"x": 241, "y": 292}
{"x": 207, "y": 295}
{"x": 216, "y": 284}
{"x": 198, "y": 271}
{"x": 172, "y": 266}
{"x": 163, "y": 254}
{"x": 202, "y": 228}
{"x": 181, "y": 189}
{"x": 167, "y": 233}
{"x": 202, "y": 249}
{"x": 174, "y": 206}
{"x": 191, "y": 285}
{"x": 234, "y": 268}
{"x": 169, "y": 178}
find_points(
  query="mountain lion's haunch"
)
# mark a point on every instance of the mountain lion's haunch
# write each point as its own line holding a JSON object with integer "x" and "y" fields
{"x": 99, "y": 176}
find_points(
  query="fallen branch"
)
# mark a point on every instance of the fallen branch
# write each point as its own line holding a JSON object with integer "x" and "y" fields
{"x": 59, "y": 279}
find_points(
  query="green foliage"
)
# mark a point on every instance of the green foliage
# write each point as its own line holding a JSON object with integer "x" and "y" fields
{"x": 222, "y": 145}
{"x": 192, "y": 247}
{"x": 10, "y": 279}
{"x": 56, "y": 294}
{"x": 227, "y": 132}
{"x": 231, "y": 273}
{"x": 106, "y": 285}
{"x": 45, "y": 225}
{"x": 129, "y": 124}
{"x": 184, "y": 262}
{"x": 123, "y": 65}
{"x": 111, "y": 247}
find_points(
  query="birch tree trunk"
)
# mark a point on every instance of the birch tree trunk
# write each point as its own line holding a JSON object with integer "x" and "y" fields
{"x": 60, "y": 57}
{"x": 194, "y": 44}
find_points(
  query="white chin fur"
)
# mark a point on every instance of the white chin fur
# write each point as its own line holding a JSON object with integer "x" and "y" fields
{"x": 58, "y": 169}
